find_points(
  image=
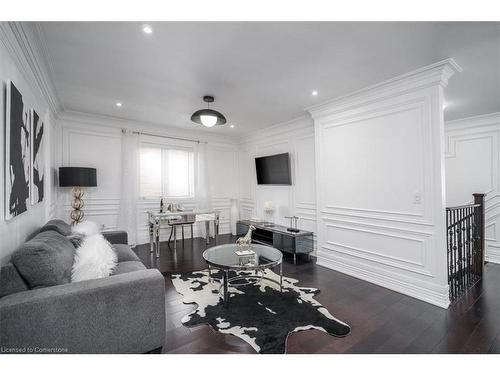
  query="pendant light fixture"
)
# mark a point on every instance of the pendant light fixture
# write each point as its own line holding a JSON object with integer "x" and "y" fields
{"x": 208, "y": 117}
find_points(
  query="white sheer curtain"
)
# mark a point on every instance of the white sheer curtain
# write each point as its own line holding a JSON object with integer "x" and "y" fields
{"x": 202, "y": 194}
{"x": 129, "y": 189}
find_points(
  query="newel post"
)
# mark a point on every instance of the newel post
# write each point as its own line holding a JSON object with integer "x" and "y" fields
{"x": 479, "y": 199}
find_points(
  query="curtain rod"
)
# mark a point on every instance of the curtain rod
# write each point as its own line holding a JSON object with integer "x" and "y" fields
{"x": 166, "y": 136}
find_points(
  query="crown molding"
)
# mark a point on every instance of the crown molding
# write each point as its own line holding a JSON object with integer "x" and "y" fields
{"x": 118, "y": 123}
{"x": 473, "y": 121}
{"x": 435, "y": 74}
{"x": 301, "y": 123}
{"x": 24, "y": 43}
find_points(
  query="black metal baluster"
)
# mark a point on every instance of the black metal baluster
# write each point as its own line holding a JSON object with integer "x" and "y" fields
{"x": 471, "y": 243}
{"x": 460, "y": 248}
{"x": 454, "y": 253}
{"x": 464, "y": 250}
{"x": 449, "y": 241}
{"x": 464, "y": 245}
{"x": 467, "y": 243}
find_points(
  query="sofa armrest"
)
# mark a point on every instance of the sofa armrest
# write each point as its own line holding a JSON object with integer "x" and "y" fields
{"x": 118, "y": 314}
{"x": 116, "y": 237}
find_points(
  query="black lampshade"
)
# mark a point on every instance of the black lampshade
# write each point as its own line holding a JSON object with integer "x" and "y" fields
{"x": 216, "y": 117}
{"x": 77, "y": 176}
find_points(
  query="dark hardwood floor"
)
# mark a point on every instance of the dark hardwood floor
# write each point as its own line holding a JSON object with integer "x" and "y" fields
{"x": 382, "y": 321}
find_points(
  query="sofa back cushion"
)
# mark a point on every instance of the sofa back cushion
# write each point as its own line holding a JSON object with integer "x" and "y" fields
{"x": 45, "y": 260}
{"x": 58, "y": 226}
{"x": 11, "y": 281}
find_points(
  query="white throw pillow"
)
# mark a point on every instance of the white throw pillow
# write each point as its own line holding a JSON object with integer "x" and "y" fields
{"x": 87, "y": 228}
{"x": 94, "y": 259}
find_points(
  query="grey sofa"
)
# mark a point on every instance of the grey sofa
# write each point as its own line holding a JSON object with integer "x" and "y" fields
{"x": 41, "y": 311}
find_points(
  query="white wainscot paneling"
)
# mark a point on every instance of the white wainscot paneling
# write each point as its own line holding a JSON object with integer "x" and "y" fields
{"x": 469, "y": 168}
{"x": 360, "y": 168}
{"x": 102, "y": 211}
{"x": 89, "y": 147}
{"x": 223, "y": 171}
{"x": 473, "y": 166}
{"x": 406, "y": 249}
{"x": 305, "y": 182}
{"x": 247, "y": 182}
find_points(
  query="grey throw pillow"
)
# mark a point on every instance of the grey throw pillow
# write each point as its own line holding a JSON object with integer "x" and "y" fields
{"x": 45, "y": 260}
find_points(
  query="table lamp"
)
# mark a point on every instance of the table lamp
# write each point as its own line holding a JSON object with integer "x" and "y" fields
{"x": 76, "y": 178}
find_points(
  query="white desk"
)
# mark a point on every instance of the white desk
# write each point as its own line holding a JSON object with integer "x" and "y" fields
{"x": 155, "y": 218}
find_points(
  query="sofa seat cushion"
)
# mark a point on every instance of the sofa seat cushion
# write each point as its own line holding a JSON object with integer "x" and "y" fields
{"x": 128, "y": 266}
{"x": 125, "y": 253}
{"x": 45, "y": 260}
{"x": 58, "y": 226}
{"x": 11, "y": 281}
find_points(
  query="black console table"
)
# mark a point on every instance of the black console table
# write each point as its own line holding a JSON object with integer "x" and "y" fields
{"x": 277, "y": 236}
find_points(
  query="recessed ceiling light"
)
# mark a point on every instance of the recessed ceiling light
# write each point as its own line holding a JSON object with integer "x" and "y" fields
{"x": 314, "y": 93}
{"x": 119, "y": 104}
{"x": 147, "y": 29}
{"x": 232, "y": 126}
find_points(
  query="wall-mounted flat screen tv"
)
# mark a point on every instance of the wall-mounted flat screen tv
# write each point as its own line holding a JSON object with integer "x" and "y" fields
{"x": 273, "y": 170}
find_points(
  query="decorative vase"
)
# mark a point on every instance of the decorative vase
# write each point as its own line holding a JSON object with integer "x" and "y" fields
{"x": 234, "y": 215}
{"x": 269, "y": 213}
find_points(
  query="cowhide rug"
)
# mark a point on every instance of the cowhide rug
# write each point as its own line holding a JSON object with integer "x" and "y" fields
{"x": 259, "y": 314}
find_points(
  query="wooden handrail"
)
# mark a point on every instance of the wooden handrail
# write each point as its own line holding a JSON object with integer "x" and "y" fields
{"x": 463, "y": 206}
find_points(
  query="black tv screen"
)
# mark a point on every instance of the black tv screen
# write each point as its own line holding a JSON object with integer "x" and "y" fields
{"x": 273, "y": 170}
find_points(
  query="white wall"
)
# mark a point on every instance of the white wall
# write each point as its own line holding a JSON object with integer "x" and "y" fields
{"x": 473, "y": 166}
{"x": 95, "y": 141}
{"x": 15, "y": 231}
{"x": 380, "y": 184}
{"x": 297, "y": 138}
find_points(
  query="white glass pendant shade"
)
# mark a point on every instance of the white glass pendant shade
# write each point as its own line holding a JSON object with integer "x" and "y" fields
{"x": 208, "y": 120}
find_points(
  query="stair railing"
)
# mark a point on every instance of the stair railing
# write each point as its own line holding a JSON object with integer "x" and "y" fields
{"x": 466, "y": 245}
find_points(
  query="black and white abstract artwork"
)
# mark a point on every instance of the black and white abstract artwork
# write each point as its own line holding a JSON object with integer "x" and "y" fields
{"x": 259, "y": 314}
{"x": 37, "y": 158}
{"x": 17, "y": 154}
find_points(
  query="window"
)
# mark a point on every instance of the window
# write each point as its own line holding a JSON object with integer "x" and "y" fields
{"x": 166, "y": 171}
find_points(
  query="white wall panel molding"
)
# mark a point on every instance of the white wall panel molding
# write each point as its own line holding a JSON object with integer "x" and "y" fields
{"x": 385, "y": 277}
{"x": 416, "y": 245}
{"x": 378, "y": 217}
{"x": 380, "y": 181}
{"x": 416, "y": 230}
{"x": 473, "y": 166}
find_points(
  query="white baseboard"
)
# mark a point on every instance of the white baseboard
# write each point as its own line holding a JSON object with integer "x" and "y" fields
{"x": 493, "y": 257}
{"x": 387, "y": 280}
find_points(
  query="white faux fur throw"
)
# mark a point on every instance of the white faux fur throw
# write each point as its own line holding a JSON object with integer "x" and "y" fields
{"x": 87, "y": 228}
{"x": 94, "y": 259}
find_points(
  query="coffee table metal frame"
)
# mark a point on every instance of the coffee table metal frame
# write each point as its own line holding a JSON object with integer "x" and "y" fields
{"x": 249, "y": 279}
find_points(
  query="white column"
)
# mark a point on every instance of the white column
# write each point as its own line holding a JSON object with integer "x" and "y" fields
{"x": 380, "y": 183}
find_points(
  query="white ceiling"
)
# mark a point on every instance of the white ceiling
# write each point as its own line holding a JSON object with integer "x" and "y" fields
{"x": 260, "y": 73}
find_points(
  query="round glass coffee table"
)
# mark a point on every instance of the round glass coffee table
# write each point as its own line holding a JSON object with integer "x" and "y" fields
{"x": 224, "y": 258}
